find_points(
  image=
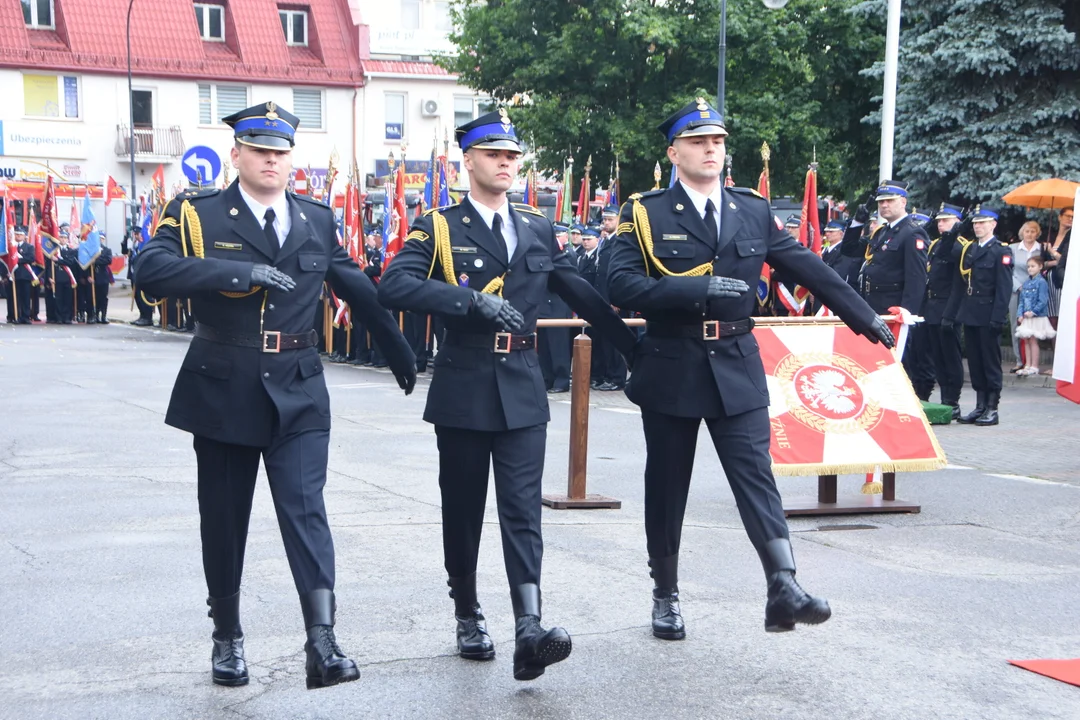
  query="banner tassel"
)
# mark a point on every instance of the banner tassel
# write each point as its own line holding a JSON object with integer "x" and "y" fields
{"x": 872, "y": 486}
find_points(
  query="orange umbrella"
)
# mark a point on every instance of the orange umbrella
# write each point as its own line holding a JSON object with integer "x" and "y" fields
{"x": 1047, "y": 194}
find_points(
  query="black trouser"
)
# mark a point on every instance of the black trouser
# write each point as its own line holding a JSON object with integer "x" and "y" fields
{"x": 984, "y": 357}
{"x": 614, "y": 365}
{"x": 465, "y": 457}
{"x": 101, "y": 298}
{"x": 146, "y": 310}
{"x": 9, "y": 296}
{"x": 51, "y": 314}
{"x": 65, "y": 298}
{"x": 415, "y": 330}
{"x": 918, "y": 363}
{"x": 944, "y": 344}
{"x": 23, "y": 303}
{"x": 597, "y": 367}
{"x": 296, "y": 469}
{"x": 553, "y": 347}
{"x": 742, "y": 444}
{"x": 85, "y": 299}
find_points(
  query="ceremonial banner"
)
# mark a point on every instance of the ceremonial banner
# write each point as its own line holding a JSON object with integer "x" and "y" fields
{"x": 841, "y": 404}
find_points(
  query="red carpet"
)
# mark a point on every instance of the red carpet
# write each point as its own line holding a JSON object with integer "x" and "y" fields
{"x": 1067, "y": 671}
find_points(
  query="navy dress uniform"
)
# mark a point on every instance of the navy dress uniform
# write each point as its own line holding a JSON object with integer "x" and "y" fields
{"x": 612, "y": 365}
{"x": 846, "y": 267}
{"x": 699, "y": 361}
{"x": 487, "y": 398}
{"x": 554, "y": 343}
{"x": 25, "y": 279}
{"x": 251, "y": 385}
{"x": 895, "y": 270}
{"x": 986, "y": 271}
{"x": 943, "y": 293}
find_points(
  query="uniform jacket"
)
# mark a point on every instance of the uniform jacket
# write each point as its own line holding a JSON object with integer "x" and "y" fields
{"x": 24, "y": 270}
{"x": 473, "y": 387}
{"x": 589, "y": 267}
{"x": 603, "y": 267}
{"x": 846, "y": 267}
{"x": 689, "y": 377}
{"x": 242, "y": 395}
{"x": 987, "y": 282}
{"x": 895, "y": 270}
{"x": 943, "y": 286}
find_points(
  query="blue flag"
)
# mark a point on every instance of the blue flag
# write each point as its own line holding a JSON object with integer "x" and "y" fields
{"x": 3, "y": 232}
{"x": 90, "y": 247}
{"x": 444, "y": 189}
{"x": 429, "y": 185}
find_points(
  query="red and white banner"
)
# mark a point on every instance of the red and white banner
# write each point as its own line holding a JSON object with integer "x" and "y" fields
{"x": 841, "y": 404}
{"x": 1067, "y": 348}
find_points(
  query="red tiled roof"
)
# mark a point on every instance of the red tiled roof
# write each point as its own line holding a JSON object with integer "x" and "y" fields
{"x": 90, "y": 36}
{"x": 398, "y": 67}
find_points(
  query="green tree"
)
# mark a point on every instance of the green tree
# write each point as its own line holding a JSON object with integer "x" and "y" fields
{"x": 602, "y": 74}
{"x": 989, "y": 96}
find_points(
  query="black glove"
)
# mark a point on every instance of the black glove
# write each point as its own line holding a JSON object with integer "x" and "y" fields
{"x": 862, "y": 215}
{"x": 406, "y": 377}
{"x": 498, "y": 311}
{"x": 724, "y": 287}
{"x": 879, "y": 332}
{"x": 967, "y": 228}
{"x": 268, "y": 276}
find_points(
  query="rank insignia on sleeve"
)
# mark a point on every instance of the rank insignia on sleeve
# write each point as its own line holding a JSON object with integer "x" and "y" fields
{"x": 1006, "y": 259}
{"x": 417, "y": 235}
{"x": 919, "y": 244}
{"x": 463, "y": 280}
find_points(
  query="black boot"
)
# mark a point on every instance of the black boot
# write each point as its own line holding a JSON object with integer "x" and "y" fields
{"x": 326, "y": 663}
{"x": 536, "y": 648}
{"x": 667, "y": 621}
{"x": 227, "y": 666}
{"x": 788, "y": 603}
{"x": 951, "y": 397}
{"x": 473, "y": 641}
{"x": 990, "y": 417}
{"x": 980, "y": 408}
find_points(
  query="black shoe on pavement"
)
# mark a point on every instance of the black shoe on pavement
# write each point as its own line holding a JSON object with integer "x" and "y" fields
{"x": 227, "y": 664}
{"x": 473, "y": 641}
{"x": 990, "y": 417}
{"x": 667, "y": 620}
{"x": 326, "y": 663}
{"x": 535, "y": 648}
{"x": 555, "y": 391}
{"x": 142, "y": 322}
{"x": 980, "y": 408}
{"x": 788, "y": 603}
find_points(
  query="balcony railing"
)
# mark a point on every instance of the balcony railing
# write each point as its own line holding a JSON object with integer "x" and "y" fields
{"x": 153, "y": 142}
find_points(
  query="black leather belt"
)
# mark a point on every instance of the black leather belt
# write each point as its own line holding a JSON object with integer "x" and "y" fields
{"x": 706, "y": 330}
{"x": 269, "y": 341}
{"x": 500, "y": 342}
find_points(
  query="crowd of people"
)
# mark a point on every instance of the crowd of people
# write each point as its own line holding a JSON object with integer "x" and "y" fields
{"x": 70, "y": 291}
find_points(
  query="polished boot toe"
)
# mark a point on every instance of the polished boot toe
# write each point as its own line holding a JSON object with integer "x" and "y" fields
{"x": 789, "y": 604}
{"x": 228, "y": 667}
{"x": 326, "y": 663}
{"x": 473, "y": 641}
{"x": 667, "y": 621}
{"x": 536, "y": 648}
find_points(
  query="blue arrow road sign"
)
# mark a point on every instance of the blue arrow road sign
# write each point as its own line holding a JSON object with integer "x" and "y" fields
{"x": 201, "y": 165}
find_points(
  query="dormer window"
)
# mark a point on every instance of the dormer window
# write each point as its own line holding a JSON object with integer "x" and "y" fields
{"x": 294, "y": 25}
{"x": 211, "y": 19}
{"x": 38, "y": 14}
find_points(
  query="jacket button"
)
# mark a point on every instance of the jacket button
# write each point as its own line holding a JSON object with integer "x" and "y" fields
{"x": 502, "y": 359}
{"x": 270, "y": 306}
{"x": 236, "y": 281}
{"x": 457, "y": 304}
{"x": 202, "y": 367}
{"x": 712, "y": 352}
{"x": 674, "y": 252}
{"x": 266, "y": 375}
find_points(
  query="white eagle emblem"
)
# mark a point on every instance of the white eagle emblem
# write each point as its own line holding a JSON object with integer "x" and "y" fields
{"x": 827, "y": 388}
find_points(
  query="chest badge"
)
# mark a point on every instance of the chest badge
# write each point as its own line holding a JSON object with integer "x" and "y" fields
{"x": 466, "y": 220}
{"x": 478, "y": 263}
{"x": 463, "y": 280}
{"x": 234, "y": 212}
{"x": 678, "y": 206}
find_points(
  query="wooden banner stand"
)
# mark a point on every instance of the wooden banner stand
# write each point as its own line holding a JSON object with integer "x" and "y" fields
{"x": 576, "y": 498}
{"x": 826, "y": 503}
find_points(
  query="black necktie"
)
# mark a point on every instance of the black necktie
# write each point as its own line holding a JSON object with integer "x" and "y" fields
{"x": 269, "y": 231}
{"x": 496, "y": 230}
{"x": 710, "y": 220}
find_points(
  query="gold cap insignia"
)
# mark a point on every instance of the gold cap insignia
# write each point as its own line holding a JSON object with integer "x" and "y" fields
{"x": 271, "y": 111}
{"x": 503, "y": 116}
{"x": 701, "y": 104}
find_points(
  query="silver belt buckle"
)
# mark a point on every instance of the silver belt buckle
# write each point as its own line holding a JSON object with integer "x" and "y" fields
{"x": 502, "y": 343}
{"x": 273, "y": 335}
{"x": 710, "y": 330}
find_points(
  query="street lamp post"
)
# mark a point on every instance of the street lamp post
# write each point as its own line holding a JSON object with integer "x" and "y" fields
{"x": 721, "y": 69}
{"x": 888, "y": 96}
{"x": 131, "y": 123}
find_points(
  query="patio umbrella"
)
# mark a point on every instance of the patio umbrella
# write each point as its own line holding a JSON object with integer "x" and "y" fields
{"x": 1046, "y": 194}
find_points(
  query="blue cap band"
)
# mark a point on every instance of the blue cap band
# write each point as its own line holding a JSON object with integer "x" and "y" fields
{"x": 696, "y": 116}
{"x": 261, "y": 123}
{"x": 984, "y": 215}
{"x": 494, "y": 131}
{"x": 891, "y": 190}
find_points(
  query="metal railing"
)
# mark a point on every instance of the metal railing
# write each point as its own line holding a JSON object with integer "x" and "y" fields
{"x": 155, "y": 142}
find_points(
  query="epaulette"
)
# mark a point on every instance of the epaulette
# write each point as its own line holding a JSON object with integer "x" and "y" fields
{"x": 747, "y": 191}
{"x": 311, "y": 200}
{"x": 196, "y": 194}
{"x": 526, "y": 208}
{"x": 439, "y": 209}
{"x": 650, "y": 193}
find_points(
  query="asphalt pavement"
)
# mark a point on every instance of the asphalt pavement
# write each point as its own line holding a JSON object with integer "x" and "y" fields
{"x": 103, "y": 596}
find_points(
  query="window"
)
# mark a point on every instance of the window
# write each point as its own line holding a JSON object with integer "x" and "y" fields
{"x": 55, "y": 96}
{"x": 211, "y": 19}
{"x": 441, "y": 11}
{"x": 142, "y": 108}
{"x": 463, "y": 110}
{"x": 410, "y": 14}
{"x": 307, "y": 106}
{"x": 38, "y": 14}
{"x": 218, "y": 101}
{"x": 395, "y": 116}
{"x": 294, "y": 25}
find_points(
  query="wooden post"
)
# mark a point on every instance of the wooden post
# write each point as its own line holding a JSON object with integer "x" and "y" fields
{"x": 576, "y": 496}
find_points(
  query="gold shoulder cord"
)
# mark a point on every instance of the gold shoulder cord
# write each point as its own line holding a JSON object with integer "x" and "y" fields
{"x": 644, "y": 236}
{"x": 190, "y": 217}
{"x": 966, "y": 274}
{"x": 444, "y": 251}
{"x": 167, "y": 222}
{"x": 930, "y": 252}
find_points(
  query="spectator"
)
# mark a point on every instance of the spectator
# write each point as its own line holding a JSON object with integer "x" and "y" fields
{"x": 1031, "y": 315}
{"x": 1028, "y": 247}
{"x": 1055, "y": 268}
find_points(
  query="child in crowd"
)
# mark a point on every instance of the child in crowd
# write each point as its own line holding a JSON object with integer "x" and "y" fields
{"x": 1031, "y": 315}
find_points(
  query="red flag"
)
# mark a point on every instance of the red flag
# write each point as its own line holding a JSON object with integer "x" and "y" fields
{"x": 763, "y": 184}
{"x": 159, "y": 179}
{"x": 49, "y": 224}
{"x": 12, "y": 257}
{"x": 110, "y": 185}
{"x": 34, "y": 238}
{"x": 399, "y": 226}
{"x": 809, "y": 220}
{"x": 583, "y": 201}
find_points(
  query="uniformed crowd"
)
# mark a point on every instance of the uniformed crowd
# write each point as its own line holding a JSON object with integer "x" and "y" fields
{"x": 70, "y": 292}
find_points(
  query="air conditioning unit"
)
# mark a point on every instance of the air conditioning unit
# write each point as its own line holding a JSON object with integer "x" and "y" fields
{"x": 429, "y": 108}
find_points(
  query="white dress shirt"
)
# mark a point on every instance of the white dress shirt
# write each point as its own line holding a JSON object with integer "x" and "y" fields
{"x": 509, "y": 232}
{"x": 699, "y": 200}
{"x": 282, "y": 220}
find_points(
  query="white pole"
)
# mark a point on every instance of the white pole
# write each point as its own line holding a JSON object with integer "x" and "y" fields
{"x": 888, "y": 98}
